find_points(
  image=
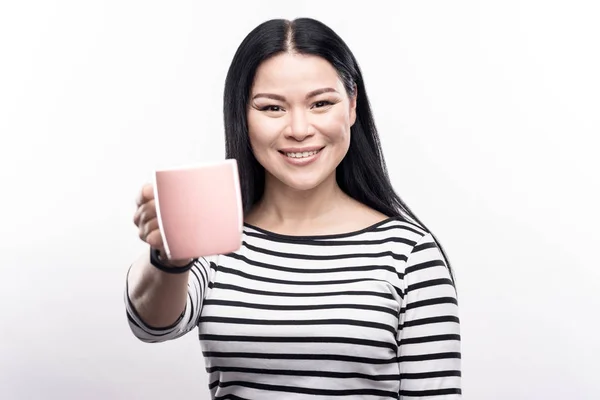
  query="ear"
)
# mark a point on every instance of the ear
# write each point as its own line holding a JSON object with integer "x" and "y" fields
{"x": 353, "y": 98}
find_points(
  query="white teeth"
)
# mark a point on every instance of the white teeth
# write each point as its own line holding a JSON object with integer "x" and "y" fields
{"x": 301, "y": 155}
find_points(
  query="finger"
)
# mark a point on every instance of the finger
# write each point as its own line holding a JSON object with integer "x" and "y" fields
{"x": 154, "y": 239}
{"x": 145, "y": 213}
{"x": 146, "y": 194}
{"x": 147, "y": 227}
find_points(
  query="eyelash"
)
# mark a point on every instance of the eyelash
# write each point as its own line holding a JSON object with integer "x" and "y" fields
{"x": 269, "y": 108}
{"x": 324, "y": 103}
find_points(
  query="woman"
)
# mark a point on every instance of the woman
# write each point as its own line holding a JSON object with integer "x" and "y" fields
{"x": 338, "y": 290}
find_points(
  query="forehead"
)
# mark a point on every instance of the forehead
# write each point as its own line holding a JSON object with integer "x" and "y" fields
{"x": 295, "y": 71}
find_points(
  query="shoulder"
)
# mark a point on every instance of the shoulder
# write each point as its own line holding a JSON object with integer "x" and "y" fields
{"x": 401, "y": 230}
{"x": 421, "y": 254}
{"x": 409, "y": 242}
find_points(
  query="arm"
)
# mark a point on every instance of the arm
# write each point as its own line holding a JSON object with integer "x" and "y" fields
{"x": 429, "y": 351}
{"x": 162, "y": 306}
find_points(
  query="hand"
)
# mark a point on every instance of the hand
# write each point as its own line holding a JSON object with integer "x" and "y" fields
{"x": 145, "y": 218}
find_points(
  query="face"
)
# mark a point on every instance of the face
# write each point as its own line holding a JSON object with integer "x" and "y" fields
{"x": 299, "y": 120}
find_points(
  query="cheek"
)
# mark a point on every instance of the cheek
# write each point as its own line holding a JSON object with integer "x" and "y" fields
{"x": 336, "y": 126}
{"x": 258, "y": 133}
{"x": 263, "y": 134}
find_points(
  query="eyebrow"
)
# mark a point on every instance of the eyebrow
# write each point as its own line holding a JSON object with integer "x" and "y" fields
{"x": 308, "y": 96}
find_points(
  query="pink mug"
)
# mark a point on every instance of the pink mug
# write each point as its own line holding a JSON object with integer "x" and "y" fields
{"x": 199, "y": 209}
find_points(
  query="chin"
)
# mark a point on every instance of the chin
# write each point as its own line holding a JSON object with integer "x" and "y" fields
{"x": 303, "y": 184}
{"x": 300, "y": 179}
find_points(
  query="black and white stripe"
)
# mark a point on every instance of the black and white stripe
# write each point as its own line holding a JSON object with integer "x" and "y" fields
{"x": 365, "y": 315}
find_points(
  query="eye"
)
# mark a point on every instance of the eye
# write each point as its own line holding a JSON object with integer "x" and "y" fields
{"x": 271, "y": 108}
{"x": 322, "y": 103}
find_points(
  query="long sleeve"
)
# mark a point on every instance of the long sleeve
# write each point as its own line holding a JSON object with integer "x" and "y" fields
{"x": 429, "y": 350}
{"x": 199, "y": 278}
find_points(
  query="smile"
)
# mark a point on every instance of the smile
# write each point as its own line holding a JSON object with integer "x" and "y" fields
{"x": 300, "y": 158}
{"x": 303, "y": 154}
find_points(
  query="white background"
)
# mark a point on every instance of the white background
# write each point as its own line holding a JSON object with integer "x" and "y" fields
{"x": 489, "y": 117}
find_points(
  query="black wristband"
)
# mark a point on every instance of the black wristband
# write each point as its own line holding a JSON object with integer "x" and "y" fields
{"x": 156, "y": 262}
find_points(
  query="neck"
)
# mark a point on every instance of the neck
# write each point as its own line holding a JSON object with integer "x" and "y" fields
{"x": 282, "y": 206}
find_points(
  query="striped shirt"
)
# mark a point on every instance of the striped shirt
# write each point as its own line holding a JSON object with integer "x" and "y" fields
{"x": 370, "y": 314}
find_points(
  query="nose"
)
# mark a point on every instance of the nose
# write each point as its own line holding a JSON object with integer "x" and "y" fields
{"x": 299, "y": 127}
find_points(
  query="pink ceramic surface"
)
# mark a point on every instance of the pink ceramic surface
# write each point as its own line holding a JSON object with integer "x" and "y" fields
{"x": 199, "y": 209}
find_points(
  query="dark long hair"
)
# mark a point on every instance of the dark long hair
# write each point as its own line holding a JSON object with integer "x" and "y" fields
{"x": 362, "y": 174}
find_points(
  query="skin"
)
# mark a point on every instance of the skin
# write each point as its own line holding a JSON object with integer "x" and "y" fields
{"x": 299, "y": 101}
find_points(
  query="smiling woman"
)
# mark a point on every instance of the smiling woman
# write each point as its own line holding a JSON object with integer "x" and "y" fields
{"x": 338, "y": 290}
{"x": 291, "y": 124}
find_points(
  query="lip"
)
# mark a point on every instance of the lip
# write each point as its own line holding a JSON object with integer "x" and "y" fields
{"x": 304, "y": 160}
{"x": 301, "y": 149}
